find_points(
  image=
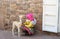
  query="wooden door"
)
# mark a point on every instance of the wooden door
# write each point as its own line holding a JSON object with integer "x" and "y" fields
{"x": 50, "y": 15}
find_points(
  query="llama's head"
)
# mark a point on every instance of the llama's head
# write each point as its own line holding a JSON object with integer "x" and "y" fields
{"x": 21, "y": 16}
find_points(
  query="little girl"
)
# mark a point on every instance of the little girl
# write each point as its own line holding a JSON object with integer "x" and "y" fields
{"x": 29, "y": 24}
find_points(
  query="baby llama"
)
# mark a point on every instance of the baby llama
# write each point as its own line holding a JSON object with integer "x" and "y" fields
{"x": 17, "y": 24}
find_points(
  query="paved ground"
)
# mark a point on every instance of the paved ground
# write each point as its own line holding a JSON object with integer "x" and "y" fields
{"x": 8, "y": 35}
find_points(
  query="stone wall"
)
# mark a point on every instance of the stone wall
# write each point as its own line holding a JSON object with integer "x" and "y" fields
{"x": 10, "y": 8}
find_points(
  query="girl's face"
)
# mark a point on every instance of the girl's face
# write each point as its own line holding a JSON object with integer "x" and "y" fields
{"x": 27, "y": 20}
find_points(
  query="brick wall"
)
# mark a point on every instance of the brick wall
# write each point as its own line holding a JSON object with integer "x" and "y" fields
{"x": 15, "y": 7}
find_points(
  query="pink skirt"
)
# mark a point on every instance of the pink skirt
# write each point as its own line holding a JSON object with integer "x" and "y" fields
{"x": 27, "y": 29}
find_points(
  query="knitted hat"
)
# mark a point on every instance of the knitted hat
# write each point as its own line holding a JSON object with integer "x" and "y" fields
{"x": 29, "y": 16}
